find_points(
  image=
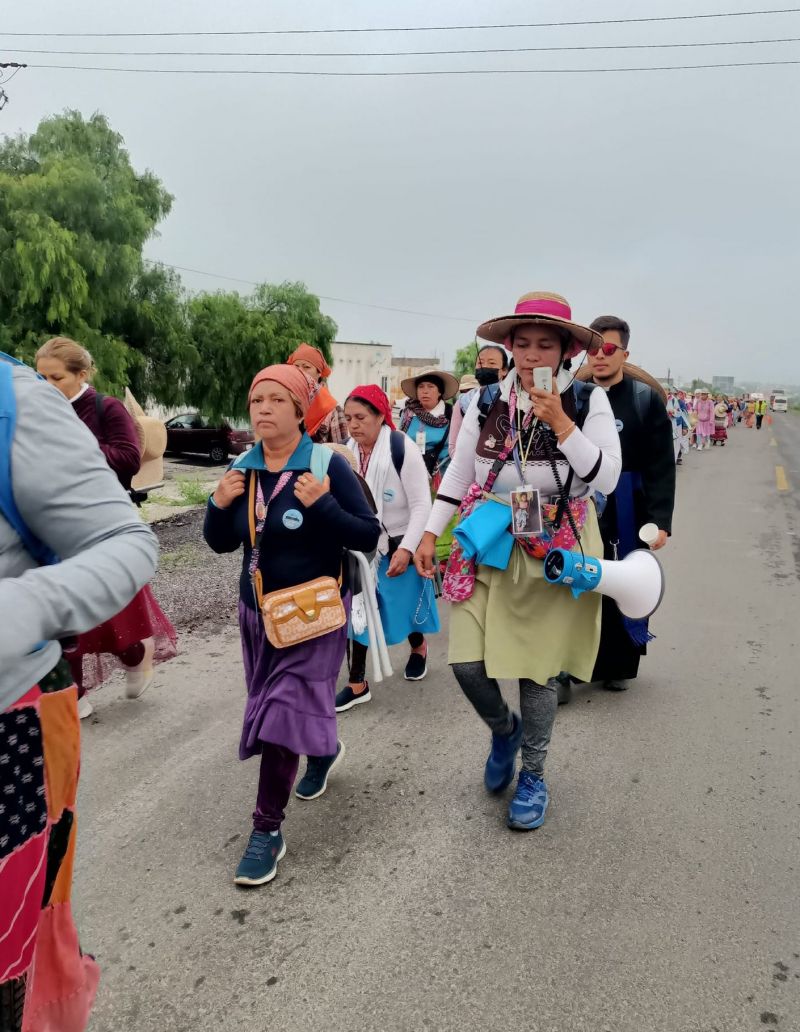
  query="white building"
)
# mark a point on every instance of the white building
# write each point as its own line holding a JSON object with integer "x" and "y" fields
{"x": 354, "y": 363}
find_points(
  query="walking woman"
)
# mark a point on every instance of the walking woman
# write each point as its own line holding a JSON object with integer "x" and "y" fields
{"x": 426, "y": 416}
{"x": 294, "y": 525}
{"x": 704, "y": 431}
{"x": 107, "y": 553}
{"x": 325, "y": 422}
{"x": 140, "y": 636}
{"x": 509, "y": 622}
{"x": 395, "y": 473}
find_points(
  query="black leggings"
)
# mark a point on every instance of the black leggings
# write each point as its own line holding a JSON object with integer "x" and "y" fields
{"x": 358, "y": 657}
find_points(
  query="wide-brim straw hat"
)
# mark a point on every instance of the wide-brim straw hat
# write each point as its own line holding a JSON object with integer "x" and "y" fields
{"x": 629, "y": 369}
{"x": 468, "y": 382}
{"x": 540, "y": 307}
{"x": 430, "y": 373}
{"x": 152, "y": 444}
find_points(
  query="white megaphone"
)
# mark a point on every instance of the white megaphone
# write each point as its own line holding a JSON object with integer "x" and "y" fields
{"x": 636, "y": 583}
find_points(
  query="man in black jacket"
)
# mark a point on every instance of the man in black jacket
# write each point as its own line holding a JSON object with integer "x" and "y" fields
{"x": 645, "y": 493}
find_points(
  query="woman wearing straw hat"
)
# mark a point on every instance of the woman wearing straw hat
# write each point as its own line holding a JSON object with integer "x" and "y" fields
{"x": 141, "y": 635}
{"x": 426, "y": 416}
{"x": 294, "y": 525}
{"x": 509, "y": 622}
{"x": 325, "y": 422}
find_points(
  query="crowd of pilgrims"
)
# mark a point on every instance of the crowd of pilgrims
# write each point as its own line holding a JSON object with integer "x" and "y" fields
{"x": 353, "y": 532}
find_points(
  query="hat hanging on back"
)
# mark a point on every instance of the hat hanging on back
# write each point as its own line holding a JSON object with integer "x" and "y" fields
{"x": 540, "y": 307}
{"x": 152, "y": 444}
{"x": 446, "y": 382}
{"x": 468, "y": 383}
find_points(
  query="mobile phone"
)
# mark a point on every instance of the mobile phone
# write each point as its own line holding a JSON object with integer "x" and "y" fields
{"x": 543, "y": 379}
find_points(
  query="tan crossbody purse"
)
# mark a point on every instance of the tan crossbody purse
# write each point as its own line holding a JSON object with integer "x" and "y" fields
{"x": 300, "y": 613}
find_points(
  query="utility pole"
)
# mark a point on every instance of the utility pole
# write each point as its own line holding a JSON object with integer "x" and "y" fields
{"x": 16, "y": 66}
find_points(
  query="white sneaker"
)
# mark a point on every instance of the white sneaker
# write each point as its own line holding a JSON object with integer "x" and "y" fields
{"x": 139, "y": 678}
{"x": 85, "y": 708}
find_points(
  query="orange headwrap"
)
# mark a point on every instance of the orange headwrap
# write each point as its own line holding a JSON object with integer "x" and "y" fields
{"x": 305, "y": 353}
{"x": 294, "y": 380}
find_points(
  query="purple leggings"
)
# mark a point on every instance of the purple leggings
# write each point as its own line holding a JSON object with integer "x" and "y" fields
{"x": 278, "y": 771}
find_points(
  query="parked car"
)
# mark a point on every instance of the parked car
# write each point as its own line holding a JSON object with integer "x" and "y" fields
{"x": 191, "y": 433}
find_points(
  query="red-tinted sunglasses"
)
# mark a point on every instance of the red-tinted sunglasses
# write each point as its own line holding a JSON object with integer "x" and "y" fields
{"x": 606, "y": 347}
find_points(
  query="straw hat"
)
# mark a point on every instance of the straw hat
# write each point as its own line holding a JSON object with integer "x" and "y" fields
{"x": 631, "y": 370}
{"x": 540, "y": 307}
{"x": 468, "y": 383}
{"x": 152, "y": 445}
{"x": 431, "y": 374}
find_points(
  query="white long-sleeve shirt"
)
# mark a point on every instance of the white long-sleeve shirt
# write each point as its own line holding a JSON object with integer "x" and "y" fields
{"x": 406, "y": 499}
{"x": 593, "y": 453}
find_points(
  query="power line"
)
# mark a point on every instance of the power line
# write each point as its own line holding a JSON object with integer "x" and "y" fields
{"x": 401, "y": 74}
{"x": 406, "y": 53}
{"x": 415, "y": 28}
{"x": 323, "y": 297}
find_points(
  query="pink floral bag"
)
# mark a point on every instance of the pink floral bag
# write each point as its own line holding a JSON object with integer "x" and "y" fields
{"x": 458, "y": 581}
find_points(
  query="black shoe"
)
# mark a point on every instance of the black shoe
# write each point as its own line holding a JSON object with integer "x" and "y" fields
{"x": 416, "y": 667}
{"x": 564, "y": 690}
{"x": 615, "y": 685}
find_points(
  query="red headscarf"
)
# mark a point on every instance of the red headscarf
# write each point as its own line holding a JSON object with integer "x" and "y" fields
{"x": 374, "y": 395}
{"x": 305, "y": 353}
{"x": 294, "y": 380}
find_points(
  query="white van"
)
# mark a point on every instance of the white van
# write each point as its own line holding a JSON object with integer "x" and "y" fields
{"x": 780, "y": 402}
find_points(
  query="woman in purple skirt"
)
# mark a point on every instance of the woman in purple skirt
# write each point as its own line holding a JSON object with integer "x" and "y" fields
{"x": 302, "y": 527}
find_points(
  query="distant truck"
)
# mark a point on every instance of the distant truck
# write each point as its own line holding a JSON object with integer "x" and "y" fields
{"x": 778, "y": 401}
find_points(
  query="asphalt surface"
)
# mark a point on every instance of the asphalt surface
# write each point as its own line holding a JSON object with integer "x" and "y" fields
{"x": 661, "y": 894}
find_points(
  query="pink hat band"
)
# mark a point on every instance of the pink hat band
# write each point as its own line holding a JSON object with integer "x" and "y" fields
{"x": 544, "y": 306}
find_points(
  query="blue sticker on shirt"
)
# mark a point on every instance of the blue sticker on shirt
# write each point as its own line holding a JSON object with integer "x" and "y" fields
{"x": 388, "y": 494}
{"x": 619, "y": 425}
{"x": 292, "y": 519}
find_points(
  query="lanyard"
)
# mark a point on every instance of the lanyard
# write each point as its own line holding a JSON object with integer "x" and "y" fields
{"x": 258, "y": 515}
{"x": 517, "y": 426}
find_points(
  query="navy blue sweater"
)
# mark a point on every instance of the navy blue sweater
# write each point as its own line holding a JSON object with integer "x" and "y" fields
{"x": 299, "y": 543}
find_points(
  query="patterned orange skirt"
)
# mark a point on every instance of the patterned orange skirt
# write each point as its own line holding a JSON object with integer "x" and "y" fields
{"x": 46, "y": 983}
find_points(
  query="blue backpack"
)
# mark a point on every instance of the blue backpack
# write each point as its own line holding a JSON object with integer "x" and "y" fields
{"x": 8, "y": 507}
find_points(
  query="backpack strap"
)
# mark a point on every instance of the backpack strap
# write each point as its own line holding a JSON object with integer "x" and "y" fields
{"x": 8, "y": 507}
{"x": 320, "y": 460}
{"x": 397, "y": 446}
{"x": 641, "y": 399}
{"x": 99, "y": 399}
{"x": 487, "y": 397}
{"x": 583, "y": 395}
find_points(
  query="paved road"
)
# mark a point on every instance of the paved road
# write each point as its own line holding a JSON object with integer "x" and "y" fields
{"x": 660, "y": 896}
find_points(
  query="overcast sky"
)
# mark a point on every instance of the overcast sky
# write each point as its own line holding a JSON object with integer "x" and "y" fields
{"x": 669, "y": 198}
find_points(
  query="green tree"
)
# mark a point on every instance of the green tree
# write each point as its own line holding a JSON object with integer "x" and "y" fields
{"x": 74, "y": 217}
{"x": 700, "y": 383}
{"x": 465, "y": 359}
{"x": 235, "y": 336}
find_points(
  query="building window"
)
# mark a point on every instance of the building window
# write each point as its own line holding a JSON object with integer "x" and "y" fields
{"x": 384, "y": 384}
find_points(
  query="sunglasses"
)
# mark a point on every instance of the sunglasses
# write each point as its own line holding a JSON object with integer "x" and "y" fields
{"x": 607, "y": 349}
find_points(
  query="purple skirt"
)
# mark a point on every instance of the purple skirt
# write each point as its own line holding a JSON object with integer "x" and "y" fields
{"x": 291, "y": 693}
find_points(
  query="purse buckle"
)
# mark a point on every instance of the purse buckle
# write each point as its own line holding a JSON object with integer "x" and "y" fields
{"x": 306, "y": 602}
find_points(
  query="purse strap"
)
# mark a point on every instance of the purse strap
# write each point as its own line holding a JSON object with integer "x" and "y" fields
{"x": 257, "y": 525}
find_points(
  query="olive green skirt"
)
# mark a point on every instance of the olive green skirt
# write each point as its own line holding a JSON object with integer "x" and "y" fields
{"x": 521, "y": 626}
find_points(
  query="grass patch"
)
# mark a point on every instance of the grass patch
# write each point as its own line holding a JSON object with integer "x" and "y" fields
{"x": 192, "y": 491}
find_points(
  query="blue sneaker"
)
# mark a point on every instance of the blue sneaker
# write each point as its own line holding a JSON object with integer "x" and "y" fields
{"x": 499, "y": 771}
{"x": 529, "y": 805}
{"x": 315, "y": 780}
{"x": 259, "y": 864}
